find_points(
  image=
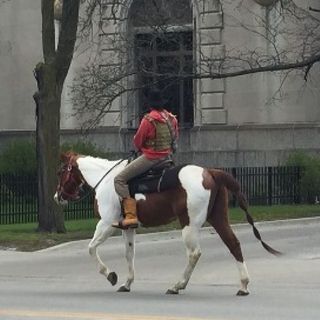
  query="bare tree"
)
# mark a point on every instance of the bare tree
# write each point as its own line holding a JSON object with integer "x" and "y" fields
{"x": 293, "y": 44}
{"x": 293, "y": 39}
{"x": 50, "y": 76}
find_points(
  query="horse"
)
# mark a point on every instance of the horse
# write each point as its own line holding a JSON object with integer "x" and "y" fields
{"x": 198, "y": 195}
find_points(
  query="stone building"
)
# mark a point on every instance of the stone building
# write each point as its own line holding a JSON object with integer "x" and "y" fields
{"x": 252, "y": 120}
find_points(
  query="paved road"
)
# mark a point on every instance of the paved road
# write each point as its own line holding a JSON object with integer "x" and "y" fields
{"x": 63, "y": 283}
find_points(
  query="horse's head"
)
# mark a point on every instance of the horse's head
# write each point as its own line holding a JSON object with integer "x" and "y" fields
{"x": 70, "y": 179}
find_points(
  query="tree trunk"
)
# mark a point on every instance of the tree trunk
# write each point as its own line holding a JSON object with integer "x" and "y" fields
{"x": 50, "y": 77}
{"x": 48, "y": 144}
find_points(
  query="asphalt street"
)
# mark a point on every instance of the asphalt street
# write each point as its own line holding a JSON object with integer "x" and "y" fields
{"x": 63, "y": 282}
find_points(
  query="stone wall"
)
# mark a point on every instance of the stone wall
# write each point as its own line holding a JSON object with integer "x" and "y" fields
{"x": 235, "y": 125}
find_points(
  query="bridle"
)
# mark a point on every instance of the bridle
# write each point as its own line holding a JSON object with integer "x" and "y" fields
{"x": 70, "y": 179}
{"x": 74, "y": 196}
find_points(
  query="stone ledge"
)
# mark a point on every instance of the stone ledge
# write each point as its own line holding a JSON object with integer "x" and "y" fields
{"x": 210, "y": 6}
{"x": 108, "y": 27}
{"x": 210, "y": 36}
{"x": 112, "y": 41}
{"x": 211, "y": 20}
{"x": 212, "y": 85}
{"x": 212, "y": 116}
{"x": 213, "y": 52}
{"x": 211, "y": 101}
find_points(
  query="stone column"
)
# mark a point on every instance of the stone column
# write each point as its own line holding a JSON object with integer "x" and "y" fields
{"x": 212, "y": 51}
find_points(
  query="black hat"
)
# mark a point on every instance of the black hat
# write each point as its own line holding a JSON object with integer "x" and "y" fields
{"x": 155, "y": 99}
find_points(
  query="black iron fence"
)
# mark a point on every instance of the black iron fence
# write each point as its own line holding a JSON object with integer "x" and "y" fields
{"x": 269, "y": 185}
{"x": 18, "y": 201}
{"x": 262, "y": 186}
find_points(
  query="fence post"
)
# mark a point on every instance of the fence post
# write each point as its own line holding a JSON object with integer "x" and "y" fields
{"x": 270, "y": 180}
{"x": 234, "y": 174}
{"x": 298, "y": 185}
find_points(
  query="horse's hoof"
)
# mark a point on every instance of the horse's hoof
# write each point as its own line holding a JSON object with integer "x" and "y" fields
{"x": 171, "y": 291}
{"x": 123, "y": 289}
{"x": 113, "y": 278}
{"x": 242, "y": 293}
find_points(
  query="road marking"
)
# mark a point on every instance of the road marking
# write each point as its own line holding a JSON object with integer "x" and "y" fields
{"x": 87, "y": 315}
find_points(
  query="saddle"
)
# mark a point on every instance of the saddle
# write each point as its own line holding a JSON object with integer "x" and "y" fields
{"x": 159, "y": 178}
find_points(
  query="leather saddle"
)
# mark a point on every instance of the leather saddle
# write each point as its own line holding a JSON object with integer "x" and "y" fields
{"x": 159, "y": 178}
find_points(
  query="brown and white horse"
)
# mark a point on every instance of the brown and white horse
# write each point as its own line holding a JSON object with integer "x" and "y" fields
{"x": 200, "y": 196}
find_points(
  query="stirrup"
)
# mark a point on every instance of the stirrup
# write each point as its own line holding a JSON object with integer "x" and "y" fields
{"x": 120, "y": 225}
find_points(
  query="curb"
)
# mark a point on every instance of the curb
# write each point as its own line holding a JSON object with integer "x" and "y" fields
{"x": 174, "y": 234}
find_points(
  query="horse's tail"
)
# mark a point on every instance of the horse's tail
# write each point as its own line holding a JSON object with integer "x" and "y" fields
{"x": 223, "y": 178}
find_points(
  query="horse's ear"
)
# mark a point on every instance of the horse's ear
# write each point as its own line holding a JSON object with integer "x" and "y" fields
{"x": 64, "y": 157}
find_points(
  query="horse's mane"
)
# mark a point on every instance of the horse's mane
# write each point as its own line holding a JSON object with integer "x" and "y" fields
{"x": 100, "y": 162}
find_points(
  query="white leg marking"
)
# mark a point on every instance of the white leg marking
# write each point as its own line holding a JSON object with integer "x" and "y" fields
{"x": 102, "y": 232}
{"x": 190, "y": 236}
{"x": 128, "y": 236}
{"x": 244, "y": 276}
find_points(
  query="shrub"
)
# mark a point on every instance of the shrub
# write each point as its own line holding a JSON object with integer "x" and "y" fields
{"x": 19, "y": 157}
{"x": 310, "y": 174}
{"x": 18, "y": 168}
{"x": 83, "y": 147}
{"x": 18, "y": 164}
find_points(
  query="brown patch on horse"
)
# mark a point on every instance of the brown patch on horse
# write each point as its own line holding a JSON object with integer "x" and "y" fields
{"x": 207, "y": 180}
{"x": 219, "y": 219}
{"x": 227, "y": 181}
{"x": 164, "y": 207}
{"x": 96, "y": 209}
{"x": 223, "y": 178}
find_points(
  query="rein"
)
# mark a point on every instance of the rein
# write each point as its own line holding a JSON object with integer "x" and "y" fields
{"x": 97, "y": 184}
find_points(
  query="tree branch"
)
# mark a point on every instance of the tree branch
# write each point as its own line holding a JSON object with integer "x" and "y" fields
{"x": 308, "y": 63}
{"x": 313, "y": 9}
{"x": 48, "y": 37}
{"x": 67, "y": 38}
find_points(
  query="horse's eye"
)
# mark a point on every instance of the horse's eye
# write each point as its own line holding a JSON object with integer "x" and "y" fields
{"x": 62, "y": 168}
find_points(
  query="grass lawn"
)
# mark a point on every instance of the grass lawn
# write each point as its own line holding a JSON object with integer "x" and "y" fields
{"x": 24, "y": 237}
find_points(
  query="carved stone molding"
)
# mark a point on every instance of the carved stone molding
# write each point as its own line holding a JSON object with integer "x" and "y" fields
{"x": 266, "y": 3}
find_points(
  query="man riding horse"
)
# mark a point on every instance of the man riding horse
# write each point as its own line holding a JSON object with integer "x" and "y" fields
{"x": 155, "y": 139}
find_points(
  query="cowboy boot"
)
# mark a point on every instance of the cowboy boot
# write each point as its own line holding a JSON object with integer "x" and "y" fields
{"x": 130, "y": 220}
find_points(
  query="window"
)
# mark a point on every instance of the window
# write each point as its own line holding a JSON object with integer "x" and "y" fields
{"x": 163, "y": 48}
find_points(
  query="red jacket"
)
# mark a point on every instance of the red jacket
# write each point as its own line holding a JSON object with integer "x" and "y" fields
{"x": 147, "y": 131}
